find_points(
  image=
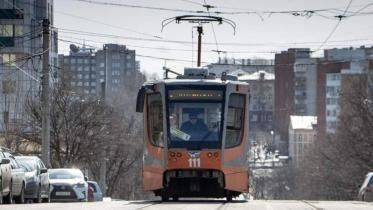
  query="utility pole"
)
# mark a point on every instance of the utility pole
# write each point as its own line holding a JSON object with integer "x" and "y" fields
{"x": 45, "y": 150}
{"x": 102, "y": 181}
{"x": 200, "y": 32}
{"x": 199, "y": 19}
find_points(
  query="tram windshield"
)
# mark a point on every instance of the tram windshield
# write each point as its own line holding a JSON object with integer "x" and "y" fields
{"x": 195, "y": 119}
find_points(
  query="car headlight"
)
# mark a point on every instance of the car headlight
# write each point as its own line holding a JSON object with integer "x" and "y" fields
{"x": 80, "y": 185}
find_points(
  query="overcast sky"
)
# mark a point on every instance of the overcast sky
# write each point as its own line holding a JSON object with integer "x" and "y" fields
{"x": 263, "y": 33}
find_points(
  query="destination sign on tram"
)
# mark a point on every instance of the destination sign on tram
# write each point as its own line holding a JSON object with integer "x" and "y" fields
{"x": 214, "y": 95}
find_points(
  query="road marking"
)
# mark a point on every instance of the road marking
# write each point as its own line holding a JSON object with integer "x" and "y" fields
{"x": 311, "y": 205}
{"x": 146, "y": 206}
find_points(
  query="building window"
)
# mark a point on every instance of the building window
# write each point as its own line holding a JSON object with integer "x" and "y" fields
{"x": 6, "y": 30}
{"x": 8, "y": 59}
{"x": 79, "y": 84}
{"x": 86, "y": 84}
{"x": 93, "y": 83}
{"x": 115, "y": 65}
{"x": 80, "y": 68}
{"x": 129, "y": 65}
{"x": 93, "y": 76}
{"x": 73, "y": 60}
{"x": 102, "y": 65}
{"x": 80, "y": 76}
{"x": 115, "y": 81}
{"x": 115, "y": 73}
{"x": 80, "y": 61}
{"x": 72, "y": 83}
{"x": 93, "y": 91}
{"x": 86, "y": 61}
{"x": 18, "y": 30}
{"x": 129, "y": 57}
{"x": 86, "y": 68}
{"x": 102, "y": 73}
{"x": 86, "y": 76}
{"x": 115, "y": 57}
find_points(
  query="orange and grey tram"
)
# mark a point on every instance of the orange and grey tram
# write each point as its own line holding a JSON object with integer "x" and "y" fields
{"x": 195, "y": 136}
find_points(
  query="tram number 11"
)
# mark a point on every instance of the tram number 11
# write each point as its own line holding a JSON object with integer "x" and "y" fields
{"x": 194, "y": 162}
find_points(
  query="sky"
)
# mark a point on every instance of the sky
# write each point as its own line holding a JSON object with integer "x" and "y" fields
{"x": 257, "y": 35}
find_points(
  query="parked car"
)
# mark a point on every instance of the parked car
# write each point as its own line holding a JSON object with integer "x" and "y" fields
{"x": 68, "y": 185}
{"x": 366, "y": 189}
{"x": 5, "y": 179}
{"x": 37, "y": 179}
{"x": 95, "y": 190}
{"x": 18, "y": 179}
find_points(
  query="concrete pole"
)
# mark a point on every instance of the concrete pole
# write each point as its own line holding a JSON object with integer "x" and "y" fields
{"x": 102, "y": 181}
{"x": 200, "y": 32}
{"x": 45, "y": 150}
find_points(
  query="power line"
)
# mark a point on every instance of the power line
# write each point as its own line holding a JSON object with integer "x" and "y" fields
{"x": 192, "y": 2}
{"x": 340, "y": 17}
{"x": 103, "y": 35}
{"x": 109, "y": 25}
{"x": 136, "y": 6}
{"x": 212, "y": 26}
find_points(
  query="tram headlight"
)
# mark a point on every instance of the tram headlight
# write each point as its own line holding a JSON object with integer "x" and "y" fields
{"x": 178, "y": 154}
{"x": 209, "y": 154}
{"x": 172, "y": 154}
{"x": 216, "y": 154}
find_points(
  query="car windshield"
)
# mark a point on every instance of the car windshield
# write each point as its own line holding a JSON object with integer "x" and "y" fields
{"x": 65, "y": 174}
{"x": 27, "y": 163}
{"x": 195, "y": 119}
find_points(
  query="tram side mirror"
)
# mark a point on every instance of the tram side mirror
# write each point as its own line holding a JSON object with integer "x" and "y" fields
{"x": 86, "y": 178}
{"x": 140, "y": 100}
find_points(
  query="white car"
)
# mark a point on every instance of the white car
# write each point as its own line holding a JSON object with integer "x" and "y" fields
{"x": 68, "y": 185}
{"x": 366, "y": 189}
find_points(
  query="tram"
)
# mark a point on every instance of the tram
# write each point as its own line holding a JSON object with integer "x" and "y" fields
{"x": 195, "y": 135}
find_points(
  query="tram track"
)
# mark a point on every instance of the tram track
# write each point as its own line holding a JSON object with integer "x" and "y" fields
{"x": 148, "y": 205}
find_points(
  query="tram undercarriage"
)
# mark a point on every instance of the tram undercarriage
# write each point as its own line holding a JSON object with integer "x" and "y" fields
{"x": 194, "y": 183}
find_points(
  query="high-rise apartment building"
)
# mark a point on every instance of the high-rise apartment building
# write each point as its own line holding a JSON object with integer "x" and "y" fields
{"x": 261, "y": 105}
{"x": 112, "y": 69}
{"x": 20, "y": 56}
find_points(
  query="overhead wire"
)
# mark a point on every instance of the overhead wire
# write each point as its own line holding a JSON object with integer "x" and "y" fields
{"x": 340, "y": 17}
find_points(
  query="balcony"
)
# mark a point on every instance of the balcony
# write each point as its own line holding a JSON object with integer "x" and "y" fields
{"x": 11, "y": 14}
{"x": 7, "y": 42}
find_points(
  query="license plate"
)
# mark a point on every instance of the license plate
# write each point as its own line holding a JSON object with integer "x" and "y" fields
{"x": 62, "y": 193}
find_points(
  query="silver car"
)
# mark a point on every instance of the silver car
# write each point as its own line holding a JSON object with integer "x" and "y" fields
{"x": 96, "y": 191}
{"x": 18, "y": 186}
{"x": 366, "y": 189}
{"x": 68, "y": 185}
{"x": 37, "y": 179}
{"x": 5, "y": 179}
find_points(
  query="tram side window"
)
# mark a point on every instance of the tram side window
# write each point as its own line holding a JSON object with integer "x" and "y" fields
{"x": 235, "y": 120}
{"x": 155, "y": 117}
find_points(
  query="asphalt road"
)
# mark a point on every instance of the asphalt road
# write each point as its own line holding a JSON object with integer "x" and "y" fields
{"x": 198, "y": 205}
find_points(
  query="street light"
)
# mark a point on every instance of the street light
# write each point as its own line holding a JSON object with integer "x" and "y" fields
{"x": 272, "y": 132}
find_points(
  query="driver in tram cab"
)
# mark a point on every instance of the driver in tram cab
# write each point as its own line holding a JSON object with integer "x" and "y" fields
{"x": 195, "y": 127}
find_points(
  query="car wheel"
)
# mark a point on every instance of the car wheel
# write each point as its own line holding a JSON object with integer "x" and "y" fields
{"x": 9, "y": 198}
{"x": 38, "y": 196}
{"x": 21, "y": 197}
{"x": 1, "y": 192}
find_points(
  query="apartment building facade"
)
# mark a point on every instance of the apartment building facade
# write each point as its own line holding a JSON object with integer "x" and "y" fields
{"x": 20, "y": 57}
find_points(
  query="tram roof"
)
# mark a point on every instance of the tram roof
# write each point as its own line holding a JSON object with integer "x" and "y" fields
{"x": 216, "y": 81}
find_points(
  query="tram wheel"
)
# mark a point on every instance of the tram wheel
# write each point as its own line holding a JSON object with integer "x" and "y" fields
{"x": 165, "y": 198}
{"x": 229, "y": 197}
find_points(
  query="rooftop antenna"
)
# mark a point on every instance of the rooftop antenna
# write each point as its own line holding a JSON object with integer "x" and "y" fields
{"x": 200, "y": 20}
